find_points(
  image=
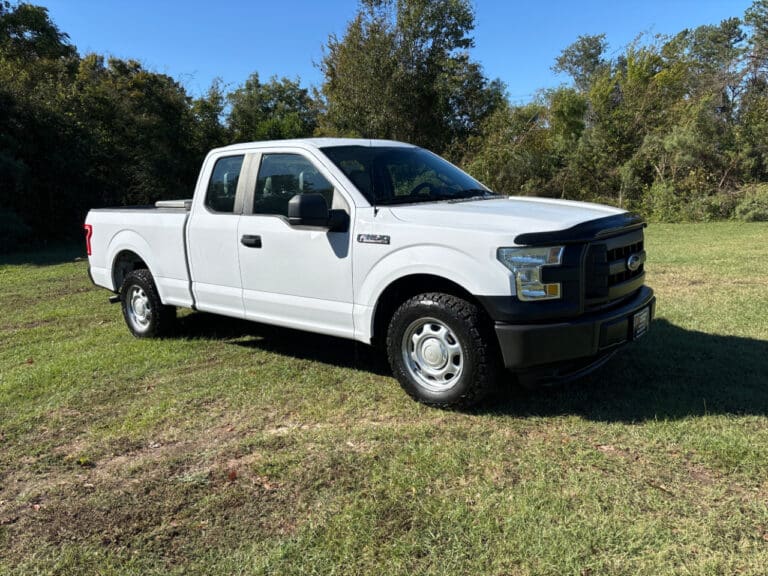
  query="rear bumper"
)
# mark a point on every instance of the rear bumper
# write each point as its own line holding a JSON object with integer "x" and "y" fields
{"x": 526, "y": 346}
{"x": 100, "y": 277}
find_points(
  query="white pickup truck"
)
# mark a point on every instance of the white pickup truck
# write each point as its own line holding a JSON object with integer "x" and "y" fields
{"x": 384, "y": 243}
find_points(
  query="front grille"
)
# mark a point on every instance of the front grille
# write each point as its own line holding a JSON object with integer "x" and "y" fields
{"x": 607, "y": 278}
{"x": 596, "y": 272}
{"x": 620, "y": 254}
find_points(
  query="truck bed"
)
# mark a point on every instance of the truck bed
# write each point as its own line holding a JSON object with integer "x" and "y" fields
{"x": 158, "y": 230}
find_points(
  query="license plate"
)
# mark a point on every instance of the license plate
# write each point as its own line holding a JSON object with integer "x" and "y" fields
{"x": 640, "y": 323}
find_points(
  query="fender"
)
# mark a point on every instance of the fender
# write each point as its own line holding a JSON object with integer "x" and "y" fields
{"x": 128, "y": 240}
{"x": 437, "y": 260}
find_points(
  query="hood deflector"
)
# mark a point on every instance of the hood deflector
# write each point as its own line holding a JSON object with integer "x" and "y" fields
{"x": 585, "y": 231}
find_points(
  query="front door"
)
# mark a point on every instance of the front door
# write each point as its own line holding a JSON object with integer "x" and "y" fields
{"x": 291, "y": 276}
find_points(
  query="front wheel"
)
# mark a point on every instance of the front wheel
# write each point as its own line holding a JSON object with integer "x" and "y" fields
{"x": 441, "y": 350}
{"x": 144, "y": 312}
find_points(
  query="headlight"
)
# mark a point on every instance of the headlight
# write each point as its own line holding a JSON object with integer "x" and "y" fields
{"x": 526, "y": 264}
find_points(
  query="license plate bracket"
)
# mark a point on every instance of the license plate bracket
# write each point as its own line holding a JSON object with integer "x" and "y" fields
{"x": 640, "y": 323}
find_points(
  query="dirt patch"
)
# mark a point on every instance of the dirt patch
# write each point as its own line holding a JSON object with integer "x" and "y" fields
{"x": 29, "y": 325}
{"x": 677, "y": 279}
{"x": 166, "y": 497}
{"x": 290, "y": 427}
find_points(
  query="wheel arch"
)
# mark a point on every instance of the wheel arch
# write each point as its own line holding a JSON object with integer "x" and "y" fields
{"x": 405, "y": 287}
{"x": 128, "y": 251}
{"x": 123, "y": 263}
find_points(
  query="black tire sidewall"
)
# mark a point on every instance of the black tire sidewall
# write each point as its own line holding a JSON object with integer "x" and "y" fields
{"x": 434, "y": 306}
{"x": 142, "y": 279}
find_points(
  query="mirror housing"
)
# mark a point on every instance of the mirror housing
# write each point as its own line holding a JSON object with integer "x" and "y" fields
{"x": 312, "y": 210}
{"x": 308, "y": 210}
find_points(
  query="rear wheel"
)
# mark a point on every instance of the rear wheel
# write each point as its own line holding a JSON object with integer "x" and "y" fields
{"x": 441, "y": 350}
{"x": 144, "y": 312}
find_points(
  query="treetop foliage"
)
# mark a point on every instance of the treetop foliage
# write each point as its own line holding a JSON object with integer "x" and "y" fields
{"x": 675, "y": 127}
{"x": 270, "y": 111}
{"x": 26, "y": 32}
{"x": 402, "y": 72}
{"x": 672, "y": 126}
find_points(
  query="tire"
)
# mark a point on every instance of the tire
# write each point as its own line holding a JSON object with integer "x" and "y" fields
{"x": 441, "y": 350}
{"x": 143, "y": 311}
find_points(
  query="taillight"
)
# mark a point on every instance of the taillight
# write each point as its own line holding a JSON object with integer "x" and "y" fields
{"x": 88, "y": 233}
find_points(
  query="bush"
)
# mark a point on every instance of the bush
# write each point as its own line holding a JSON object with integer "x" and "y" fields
{"x": 721, "y": 206}
{"x": 660, "y": 203}
{"x": 663, "y": 203}
{"x": 753, "y": 207}
{"x": 14, "y": 233}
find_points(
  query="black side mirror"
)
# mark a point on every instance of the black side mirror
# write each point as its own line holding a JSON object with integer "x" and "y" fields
{"x": 312, "y": 210}
{"x": 308, "y": 210}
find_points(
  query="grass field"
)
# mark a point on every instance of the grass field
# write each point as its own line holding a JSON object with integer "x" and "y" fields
{"x": 241, "y": 449}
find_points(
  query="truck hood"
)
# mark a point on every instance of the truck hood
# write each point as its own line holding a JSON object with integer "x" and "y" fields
{"x": 516, "y": 215}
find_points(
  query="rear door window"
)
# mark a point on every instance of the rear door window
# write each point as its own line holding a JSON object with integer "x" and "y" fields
{"x": 222, "y": 188}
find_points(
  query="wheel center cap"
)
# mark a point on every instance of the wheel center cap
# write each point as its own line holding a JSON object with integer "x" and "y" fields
{"x": 433, "y": 353}
{"x": 139, "y": 306}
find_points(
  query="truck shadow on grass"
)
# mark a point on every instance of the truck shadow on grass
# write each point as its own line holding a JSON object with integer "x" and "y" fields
{"x": 672, "y": 373}
{"x": 285, "y": 342}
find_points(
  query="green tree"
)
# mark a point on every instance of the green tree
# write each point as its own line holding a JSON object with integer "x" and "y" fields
{"x": 402, "y": 71}
{"x": 36, "y": 63}
{"x": 273, "y": 110}
{"x": 77, "y": 133}
{"x": 752, "y": 131}
{"x": 516, "y": 152}
{"x": 209, "y": 130}
{"x": 756, "y": 17}
{"x": 359, "y": 86}
{"x": 27, "y": 33}
{"x": 583, "y": 60}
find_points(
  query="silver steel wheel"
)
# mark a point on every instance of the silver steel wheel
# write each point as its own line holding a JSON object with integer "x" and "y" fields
{"x": 139, "y": 308}
{"x": 432, "y": 354}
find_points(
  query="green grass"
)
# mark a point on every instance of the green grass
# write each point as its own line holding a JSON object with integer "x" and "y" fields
{"x": 242, "y": 449}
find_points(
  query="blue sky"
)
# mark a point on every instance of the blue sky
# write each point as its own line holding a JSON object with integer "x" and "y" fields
{"x": 196, "y": 41}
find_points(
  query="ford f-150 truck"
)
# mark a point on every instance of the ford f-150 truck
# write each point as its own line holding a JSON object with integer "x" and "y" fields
{"x": 385, "y": 243}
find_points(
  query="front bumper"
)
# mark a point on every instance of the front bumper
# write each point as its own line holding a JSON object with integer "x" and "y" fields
{"x": 526, "y": 346}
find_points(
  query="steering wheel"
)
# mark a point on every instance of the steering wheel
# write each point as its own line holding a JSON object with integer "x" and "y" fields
{"x": 419, "y": 187}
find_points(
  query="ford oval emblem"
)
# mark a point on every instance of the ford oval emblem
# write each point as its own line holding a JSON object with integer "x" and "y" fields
{"x": 635, "y": 261}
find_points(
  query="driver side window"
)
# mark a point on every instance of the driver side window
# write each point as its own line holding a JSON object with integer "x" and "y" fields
{"x": 282, "y": 176}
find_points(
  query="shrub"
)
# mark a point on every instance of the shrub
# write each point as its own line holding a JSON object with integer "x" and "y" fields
{"x": 661, "y": 204}
{"x": 721, "y": 206}
{"x": 664, "y": 203}
{"x": 753, "y": 207}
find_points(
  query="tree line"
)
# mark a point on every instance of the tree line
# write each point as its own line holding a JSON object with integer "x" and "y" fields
{"x": 675, "y": 127}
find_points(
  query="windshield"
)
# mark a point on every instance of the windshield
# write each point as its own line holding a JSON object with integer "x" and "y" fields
{"x": 398, "y": 175}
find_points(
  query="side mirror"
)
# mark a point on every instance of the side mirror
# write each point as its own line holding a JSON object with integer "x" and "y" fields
{"x": 308, "y": 210}
{"x": 312, "y": 210}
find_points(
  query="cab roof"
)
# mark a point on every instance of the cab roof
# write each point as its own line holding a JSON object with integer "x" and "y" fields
{"x": 315, "y": 143}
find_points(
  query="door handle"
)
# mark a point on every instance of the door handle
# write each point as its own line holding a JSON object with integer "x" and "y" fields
{"x": 251, "y": 241}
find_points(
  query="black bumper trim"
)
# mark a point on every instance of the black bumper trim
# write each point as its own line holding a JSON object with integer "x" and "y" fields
{"x": 528, "y": 345}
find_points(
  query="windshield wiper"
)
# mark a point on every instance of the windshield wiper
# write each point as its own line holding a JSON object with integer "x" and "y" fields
{"x": 462, "y": 196}
{"x": 474, "y": 194}
{"x": 407, "y": 200}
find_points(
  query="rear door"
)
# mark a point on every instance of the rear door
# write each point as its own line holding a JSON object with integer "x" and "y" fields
{"x": 291, "y": 276}
{"x": 212, "y": 237}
